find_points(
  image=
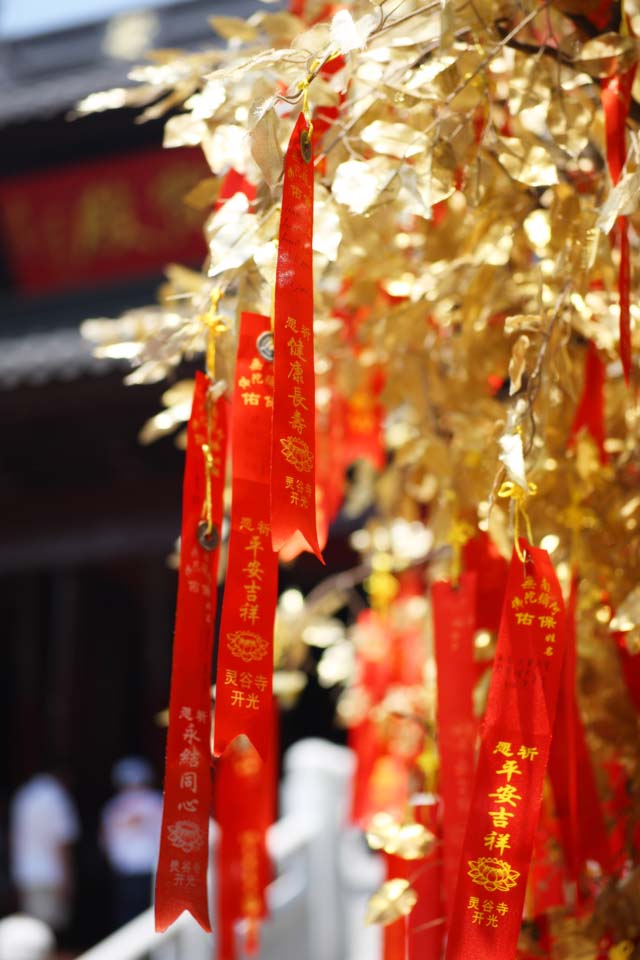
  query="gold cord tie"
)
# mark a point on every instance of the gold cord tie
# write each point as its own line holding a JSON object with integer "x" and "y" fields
{"x": 459, "y": 533}
{"x": 208, "y": 472}
{"x": 215, "y": 325}
{"x": 519, "y": 495}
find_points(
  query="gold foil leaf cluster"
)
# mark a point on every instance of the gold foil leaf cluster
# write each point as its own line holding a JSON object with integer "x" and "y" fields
{"x": 409, "y": 840}
{"x": 396, "y": 898}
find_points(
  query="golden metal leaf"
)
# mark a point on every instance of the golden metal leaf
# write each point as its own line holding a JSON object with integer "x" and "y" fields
{"x": 606, "y": 55}
{"x": 394, "y": 899}
{"x": 233, "y": 28}
{"x": 409, "y": 840}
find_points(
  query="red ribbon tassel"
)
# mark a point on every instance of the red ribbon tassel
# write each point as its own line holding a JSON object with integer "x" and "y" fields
{"x": 395, "y": 935}
{"x": 577, "y": 804}
{"x": 616, "y": 98}
{"x": 630, "y": 664}
{"x": 481, "y": 556}
{"x": 418, "y": 936}
{"x": 244, "y": 795}
{"x": 181, "y": 882}
{"x": 454, "y": 625}
{"x": 293, "y": 461}
{"x": 624, "y": 289}
{"x": 245, "y": 657}
{"x": 590, "y": 409}
{"x": 513, "y": 757}
{"x": 386, "y": 754}
{"x": 426, "y": 920}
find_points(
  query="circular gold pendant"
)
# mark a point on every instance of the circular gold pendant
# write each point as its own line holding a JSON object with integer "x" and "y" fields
{"x": 264, "y": 343}
{"x": 305, "y": 146}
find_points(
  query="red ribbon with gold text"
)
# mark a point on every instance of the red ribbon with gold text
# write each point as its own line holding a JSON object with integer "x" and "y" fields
{"x": 293, "y": 460}
{"x": 616, "y": 98}
{"x": 181, "y": 882}
{"x": 453, "y": 609}
{"x": 245, "y": 795}
{"x": 244, "y": 696}
{"x": 514, "y": 750}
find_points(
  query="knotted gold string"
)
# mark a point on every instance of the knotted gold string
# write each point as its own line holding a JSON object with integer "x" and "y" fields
{"x": 519, "y": 495}
{"x": 621, "y": 950}
{"x": 215, "y": 325}
{"x": 303, "y": 87}
{"x": 459, "y": 533}
{"x": 207, "y": 514}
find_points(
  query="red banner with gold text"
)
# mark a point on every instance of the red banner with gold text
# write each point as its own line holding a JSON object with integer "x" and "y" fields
{"x": 293, "y": 466}
{"x": 181, "y": 882}
{"x": 514, "y": 750}
{"x": 245, "y": 656}
{"x": 102, "y": 220}
{"x": 453, "y": 609}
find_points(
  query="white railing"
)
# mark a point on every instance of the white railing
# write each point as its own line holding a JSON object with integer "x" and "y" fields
{"x": 324, "y": 876}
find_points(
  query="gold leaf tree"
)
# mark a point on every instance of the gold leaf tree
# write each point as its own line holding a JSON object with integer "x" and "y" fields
{"x": 463, "y": 225}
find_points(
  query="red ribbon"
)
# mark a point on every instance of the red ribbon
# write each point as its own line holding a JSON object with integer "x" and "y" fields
{"x": 578, "y": 807}
{"x": 387, "y": 751}
{"x": 547, "y": 887}
{"x": 374, "y": 674}
{"x": 481, "y": 556}
{"x": 367, "y": 744}
{"x": 624, "y": 289}
{"x": 600, "y": 17}
{"x": 419, "y": 935}
{"x": 630, "y": 664}
{"x": 244, "y": 794}
{"x": 616, "y": 98}
{"x": 395, "y": 935}
{"x": 293, "y": 460}
{"x": 232, "y": 183}
{"x": 245, "y": 656}
{"x": 590, "y": 410}
{"x": 181, "y": 882}
{"x": 363, "y": 417}
{"x": 326, "y": 476}
{"x": 513, "y": 757}
{"x": 454, "y": 625}
{"x": 426, "y": 920}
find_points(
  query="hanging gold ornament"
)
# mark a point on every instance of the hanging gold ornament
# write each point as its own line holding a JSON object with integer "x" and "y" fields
{"x": 394, "y": 899}
{"x": 408, "y": 840}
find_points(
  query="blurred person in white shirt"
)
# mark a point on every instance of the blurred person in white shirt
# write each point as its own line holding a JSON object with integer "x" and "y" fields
{"x": 43, "y": 826}
{"x": 130, "y": 837}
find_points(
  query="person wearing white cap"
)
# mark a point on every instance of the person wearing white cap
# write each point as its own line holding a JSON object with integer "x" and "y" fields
{"x": 43, "y": 826}
{"x": 130, "y": 836}
{"x": 25, "y": 938}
